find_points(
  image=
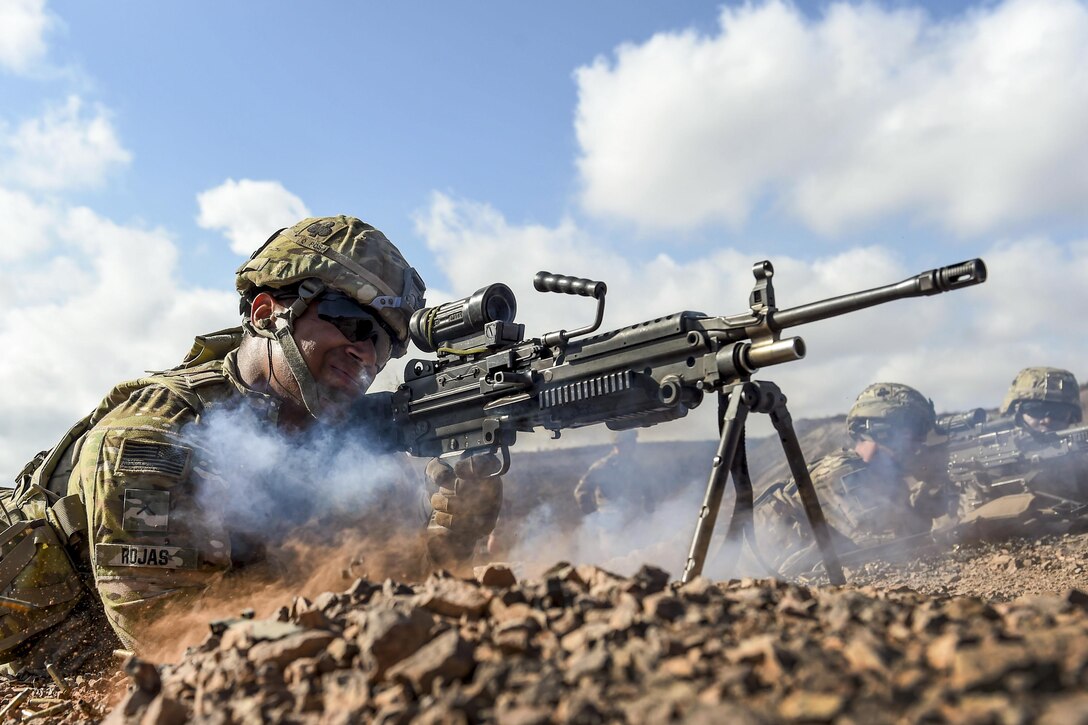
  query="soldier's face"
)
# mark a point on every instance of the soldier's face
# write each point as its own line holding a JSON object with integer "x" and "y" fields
{"x": 899, "y": 448}
{"x": 1046, "y": 417}
{"x": 342, "y": 369}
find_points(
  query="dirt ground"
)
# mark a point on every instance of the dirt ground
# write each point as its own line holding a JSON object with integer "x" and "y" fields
{"x": 1047, "y": 576}
{"x": 1026, "y": 570}
{"x": 995, "y": 572}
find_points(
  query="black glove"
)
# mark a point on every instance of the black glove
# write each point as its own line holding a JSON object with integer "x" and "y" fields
{"x": 465, "y": 499}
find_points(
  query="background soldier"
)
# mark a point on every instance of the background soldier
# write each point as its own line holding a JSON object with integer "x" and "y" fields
{"x": 1043, "y": 399}
{"x": 1023, "y": 452}
{"x": 325, "y": 305}
{"x": 613, "y": 480}
{"x": 876, "y": 491}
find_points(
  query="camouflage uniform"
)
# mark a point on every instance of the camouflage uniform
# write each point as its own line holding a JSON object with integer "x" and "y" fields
{"x": 864, "y": 503}
{"x": 140, "y": 472}
{"x": 150, "y": 536}
{"x": 613, "y": 479}
{"x": 1064, "y": 477}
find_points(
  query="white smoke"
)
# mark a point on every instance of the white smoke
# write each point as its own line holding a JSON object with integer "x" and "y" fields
{"x": 624, "y": 537}
{"x": 263, "y": 480}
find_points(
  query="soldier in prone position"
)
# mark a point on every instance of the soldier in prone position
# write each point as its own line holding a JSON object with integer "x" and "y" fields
{"x": 877, "y": 491}
{"x": 1025, "y": 451}
{"x": 613, "y": 480}
{"x": 1043, "y": 399}
{"x": 325, "y": 305}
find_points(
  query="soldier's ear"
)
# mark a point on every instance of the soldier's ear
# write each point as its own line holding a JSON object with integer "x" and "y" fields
{"x": 261, "y": 309}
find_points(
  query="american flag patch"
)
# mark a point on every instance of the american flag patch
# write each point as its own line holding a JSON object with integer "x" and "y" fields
{"x": 153, "y": 457}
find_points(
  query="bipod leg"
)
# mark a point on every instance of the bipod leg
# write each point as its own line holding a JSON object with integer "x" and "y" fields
{"x": 783, "y": 424}
{"x": 739, "y": 399}
{"x": 742, "y": 518}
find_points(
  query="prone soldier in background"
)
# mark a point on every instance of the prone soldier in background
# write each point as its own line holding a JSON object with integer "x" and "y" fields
{"x": 613, "y": 479}
{"x": 1043, "y": 399}
{"x": 877, "y": 491}
{"x": 325, "y": 305}
{"x": 1030, "y": 452}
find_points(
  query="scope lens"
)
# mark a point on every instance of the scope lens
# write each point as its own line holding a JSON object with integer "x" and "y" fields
{"x": 497, "y": 307}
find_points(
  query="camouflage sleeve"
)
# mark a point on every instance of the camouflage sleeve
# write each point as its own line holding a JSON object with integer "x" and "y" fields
{"x": 932, "y": 500}
{"x": 780, "y": 529}
{"x": 785, "y": 537}
{"x": 151, "y": 541}
{"x": 585, "y": 492}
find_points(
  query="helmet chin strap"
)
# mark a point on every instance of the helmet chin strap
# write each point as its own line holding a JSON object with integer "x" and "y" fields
{"x": 283, "y": 333}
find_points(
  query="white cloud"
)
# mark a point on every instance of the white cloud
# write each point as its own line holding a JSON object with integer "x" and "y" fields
{"x": 25, "y": 225}
{"x": 65, "y": 148}
{"x": 23, "y": 24}
{"x": 960, "y": 348}
{"x": 246, "y": 211}
{"x": 101, "y": 306}
{"x": 864, "y": 113}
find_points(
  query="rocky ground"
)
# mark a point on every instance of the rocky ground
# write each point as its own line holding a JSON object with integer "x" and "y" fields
{"x": 995, "y": 572}
{"x": 990, "y": 633}
{"x": 965, "y": 633}
{"x": 586, "y": 646}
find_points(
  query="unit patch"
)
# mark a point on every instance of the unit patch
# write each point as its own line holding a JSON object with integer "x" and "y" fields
{"x": 146, "y": 511}
{"x": 153, "y": 457}
{"x": 158, "y": 557}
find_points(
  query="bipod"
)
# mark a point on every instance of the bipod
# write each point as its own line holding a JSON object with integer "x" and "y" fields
{"x": 735, "y": 402}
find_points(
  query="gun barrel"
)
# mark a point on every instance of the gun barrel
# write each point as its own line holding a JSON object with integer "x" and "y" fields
{"x": 934, "y": 281}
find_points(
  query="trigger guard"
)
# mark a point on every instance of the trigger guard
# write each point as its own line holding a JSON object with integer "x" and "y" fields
{"x": 501, "y": 452}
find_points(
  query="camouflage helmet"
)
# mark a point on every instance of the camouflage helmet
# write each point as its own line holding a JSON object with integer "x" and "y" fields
{"x": 346, "y": 254}
{"x": 893, "y": 405}
{"x": 1051, "y": 385}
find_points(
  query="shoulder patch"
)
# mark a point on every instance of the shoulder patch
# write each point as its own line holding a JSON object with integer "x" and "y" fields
{"x": 146, "y": 511}
{"x": 163, "y": 459}
{"x": 855, "y": 480}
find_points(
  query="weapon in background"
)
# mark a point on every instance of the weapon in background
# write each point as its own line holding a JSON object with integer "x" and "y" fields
{"x": 953, "y": 423}
{"x": 488, "y": 383}
{"x": 1000, "y": 457}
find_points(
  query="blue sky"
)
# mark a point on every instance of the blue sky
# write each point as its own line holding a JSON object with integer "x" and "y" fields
{"x": 358, "y": 107}
{"x": 663, "y": 147}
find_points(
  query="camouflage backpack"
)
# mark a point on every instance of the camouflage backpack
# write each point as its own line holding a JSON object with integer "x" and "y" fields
{"x": 41, "y": 545}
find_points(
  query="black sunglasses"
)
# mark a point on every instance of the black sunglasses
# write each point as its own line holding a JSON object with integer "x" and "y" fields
{"x": 358, "y": 323}
{"x": 886, "y": 432}
{"x": 1044, "y": 409}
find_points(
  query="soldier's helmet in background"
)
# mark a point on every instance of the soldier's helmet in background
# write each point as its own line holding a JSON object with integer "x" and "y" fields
{"x": 887, "y": 412}
{"x": 345, "y": 254}
{"x": 1050, "y": 385}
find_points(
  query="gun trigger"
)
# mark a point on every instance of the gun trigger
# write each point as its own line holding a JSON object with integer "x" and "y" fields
{"x": 504, "y": 454}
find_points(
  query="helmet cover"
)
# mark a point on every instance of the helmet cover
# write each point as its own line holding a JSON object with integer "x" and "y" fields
{"x": 1051, "y": 385}
{"x": 893, "y": 405}
{"x": 345, "y": 254}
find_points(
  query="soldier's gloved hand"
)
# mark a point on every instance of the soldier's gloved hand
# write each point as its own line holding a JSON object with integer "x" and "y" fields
{"x": 465, "y": 498}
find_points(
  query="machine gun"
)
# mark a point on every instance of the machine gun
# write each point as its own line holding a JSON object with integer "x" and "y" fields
{"x": 489, "y": 383}
{"x": 1000, "y": 457}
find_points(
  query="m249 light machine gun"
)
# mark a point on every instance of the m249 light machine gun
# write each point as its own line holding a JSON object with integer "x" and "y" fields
{"x": 488, "y": 382}
{"x": 1001, "y": 458}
